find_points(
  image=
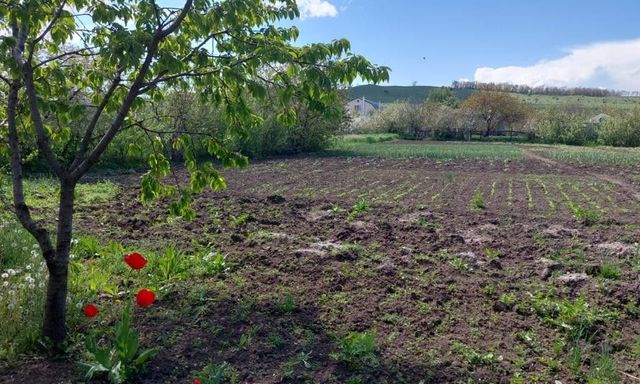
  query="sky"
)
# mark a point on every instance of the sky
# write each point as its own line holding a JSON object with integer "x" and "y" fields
{"x": 593, "y": 43}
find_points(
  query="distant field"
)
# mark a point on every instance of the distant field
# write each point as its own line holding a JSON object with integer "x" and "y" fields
{"x": 417, "y": 94}
{"x": 589, "y": 155}
{"x": 426, "y": 150}
{"x": 601, "y": 104}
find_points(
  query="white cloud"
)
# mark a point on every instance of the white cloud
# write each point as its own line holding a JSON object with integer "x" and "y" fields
{"x": 316, "y": 8}
{"x": 608, "y": 64}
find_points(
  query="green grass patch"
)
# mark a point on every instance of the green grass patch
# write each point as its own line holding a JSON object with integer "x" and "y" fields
{"x": 368, "y": 138}
{"x": 442, "y": 151}
{"x": 627, "y": 157}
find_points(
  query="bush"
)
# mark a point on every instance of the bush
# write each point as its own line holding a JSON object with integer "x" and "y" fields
{"x": 556, "y": 126}
{"x": 404, "y": 119}
{"x": 621, "y": 131}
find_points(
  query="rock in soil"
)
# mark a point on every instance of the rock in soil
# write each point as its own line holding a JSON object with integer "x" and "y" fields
{"x": 558, "y": 231}
{"x": 616, "y": 248}
{"x": 572, "y": 279}
{"x": 548, "y": 266}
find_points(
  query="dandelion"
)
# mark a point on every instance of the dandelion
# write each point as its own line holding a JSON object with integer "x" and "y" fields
{"x": 11, "y": 272}
{"x": 28, "y": 267}
{"x": 5, "y": 275}
{"x": 5, "y": 284}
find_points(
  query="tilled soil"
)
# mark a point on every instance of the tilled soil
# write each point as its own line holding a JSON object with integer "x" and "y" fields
{"x": 423, "y": 266}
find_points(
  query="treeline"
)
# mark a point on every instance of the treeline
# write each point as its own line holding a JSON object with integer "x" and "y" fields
{"x": 182, "y": 115}
{"x": 541, "y": 90}
{"x": 490, "y": 115}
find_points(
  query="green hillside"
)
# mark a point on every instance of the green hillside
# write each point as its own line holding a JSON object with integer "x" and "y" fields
{"x": 601, "y": 104}
{"x": 391, "y": 93}
{"x": 417, "y": 94}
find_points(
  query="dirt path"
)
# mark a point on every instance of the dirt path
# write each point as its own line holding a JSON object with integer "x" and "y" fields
{"x": 629, "y": 188}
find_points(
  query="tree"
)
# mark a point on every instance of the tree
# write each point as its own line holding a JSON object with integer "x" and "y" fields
{"x": 496, "y": 109}
{"x": 443, "y": 95}
{"x": 93, "y": 64}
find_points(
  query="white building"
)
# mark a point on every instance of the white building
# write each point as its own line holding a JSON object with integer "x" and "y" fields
{"x": 361, "y": 107}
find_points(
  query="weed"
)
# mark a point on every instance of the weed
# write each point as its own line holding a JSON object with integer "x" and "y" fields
{"x": 459, "y": 264}
{"x": 277, "y": 341}
{"x": 577, "y": 317}
{"x": 302, "y": 359}
{"x": 215, "y": 263}
{"x": 508, "y": 299}
{"x": 287, "y": 305}
{"x": 218, "y": 374}
{"x": 492, "y": 254}
{"x": 635, "y": 349}
{"x": 336, "y": 208}
{"x": 86, "y": 247}
{"x": 15, "y": 243}
{"x": 609, "y": 271}
{"x": 237, "y": 221}
{"x": 22, "y": 295}
{"x": 489, "y": 290}
{"x": 584, "y": 215}
{"x": 170, "y": 264}
{"x": 358, "y": 350}
{"x": 361, "y": 205}
{"x": 538, "y": 239}
{"x": 603, "y": 370}
{"x": 474, "y": 357}
{"x": 349, "y": 251}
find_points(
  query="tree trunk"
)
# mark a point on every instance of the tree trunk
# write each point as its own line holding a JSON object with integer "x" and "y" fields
{"x": 54, "y": 326}
{"x": 55, "y": 309}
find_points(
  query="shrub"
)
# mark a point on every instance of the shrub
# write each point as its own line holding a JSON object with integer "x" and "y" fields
{"x": 555, "y": 126}
{"x": 621, "y": 131}
{"x": 404, "y": 119}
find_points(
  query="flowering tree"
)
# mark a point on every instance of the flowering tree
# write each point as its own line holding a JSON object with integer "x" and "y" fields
{"x": 91, "y": 64}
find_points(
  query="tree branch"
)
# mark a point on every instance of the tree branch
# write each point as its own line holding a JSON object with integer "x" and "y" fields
{"x": 57, "y": 57}
{"x": 22, "y": 210}
{"x": 99, "y": 149}
{"x": 84, "y": 145}
{"x": 53, "y": 21}
{"x": 27, "y": 73}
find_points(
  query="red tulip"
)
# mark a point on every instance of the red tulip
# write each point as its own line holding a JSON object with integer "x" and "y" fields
{"x": 90, "y": 310}
{"x": 135, "y": 260}
{"x": 196, "y": 381}
{"x": 145, "y": 298}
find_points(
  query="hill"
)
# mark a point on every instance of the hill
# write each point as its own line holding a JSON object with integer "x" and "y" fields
{"x": 418, "y": 93}
{"x": 392, "y": 93}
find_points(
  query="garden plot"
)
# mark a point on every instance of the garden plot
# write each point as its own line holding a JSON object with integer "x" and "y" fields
{"x": 379, "y": 270}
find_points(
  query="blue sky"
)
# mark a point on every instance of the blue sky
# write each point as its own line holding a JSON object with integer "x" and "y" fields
{"x": 561, "y": 42}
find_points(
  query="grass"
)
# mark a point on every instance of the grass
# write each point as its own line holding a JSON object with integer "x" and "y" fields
{"x": 614, "y": 156}
{"x": 441, "y": 151}
{"x": 368, "y": 138}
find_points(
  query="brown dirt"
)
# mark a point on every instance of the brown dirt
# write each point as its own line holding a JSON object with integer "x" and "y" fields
{"x": 420, "y": 279}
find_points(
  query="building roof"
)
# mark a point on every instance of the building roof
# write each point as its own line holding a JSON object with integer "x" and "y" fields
{"x": 372, "y": 103}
